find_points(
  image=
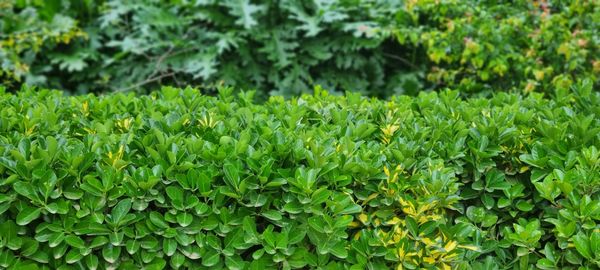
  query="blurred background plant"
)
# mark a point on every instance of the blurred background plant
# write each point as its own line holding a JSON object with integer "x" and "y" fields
{"x": 379, "y": 48}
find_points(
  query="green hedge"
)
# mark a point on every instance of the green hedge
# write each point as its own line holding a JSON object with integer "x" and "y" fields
{"x": 380, "y": 48}
{"x": 182, "y": 180}
{"x": 488, "y": 46}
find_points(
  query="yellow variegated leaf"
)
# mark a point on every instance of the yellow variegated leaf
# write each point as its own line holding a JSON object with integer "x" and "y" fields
{"x": 450, "y": 246}
{"x": 363, "y": 218}
{"x": 393, "y": 221}
{"x": 469, "y": 247}
{"x": 371, "y": 197}
{"x": 428, "y": 242}
{"x": 429, "y": 260}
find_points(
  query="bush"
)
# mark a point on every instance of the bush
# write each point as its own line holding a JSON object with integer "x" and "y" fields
{"x": 181, "y": 180}
{"x": 494, "y": 45}
{"x": 380, "y": 48}
{"x": 275, "y": 46}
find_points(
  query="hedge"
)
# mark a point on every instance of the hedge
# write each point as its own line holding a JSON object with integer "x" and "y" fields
{"x": 176, "y": 179}
{"x": 380, "y": 48}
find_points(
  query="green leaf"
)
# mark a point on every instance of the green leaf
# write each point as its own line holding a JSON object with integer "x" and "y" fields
{"x": 339, "y": 250}
{"x": 158, "y": 220}
{"x": 524, "y": 206}
{"x": 350, "y": 209}
{"x": 98, "y": 241}
{"x": 132, "y": 246}
{"x": 56, "y": 239}
{"x": 293, "y": 207}
{"x": 204, "y": 183}
{"x": 258, "y": 254}
{"x": 73, "y": 256}
{"x": 120, "y": 210}
{"x": 545, "y": 264}
{"x": 111, "y": 253}
{"x": 595, "y": 243}
{"x": 582, "y": 245}
{"x": 177, "y": 260}
{"x": 26, "y": 189}
{"x": 69, "y": 62}
{"x": 232, "y": 176}
{"x": 495, "y": 180}
{"x": 29, "y": 247}
{"x": 176, "y": 195}
{"x": 487, "y": 200}
{"x": 210, "y": 258}
{"x": 169, "y": 247}
{"x": 91, "y": 261}
{"x": 27, "y": 215}
{"x": 320, "y": 195}
{"x": 489, "y": 220}
{"x": 234, "y": 263}
{"x": 317, "y": 224}
{"x": 342, "y": 222}
{"x": 269, "y": 237}
{"x": 8, "y": 231}
{"x": 184, "y": 219}
{"x": 272, "y": 215}
{"x": 75, "y": 241}
{"x": 6, "y": 258}
{"x": 282, "y": 240}
{"x": 244, "y": 10}
{"x": 202, "y": 65}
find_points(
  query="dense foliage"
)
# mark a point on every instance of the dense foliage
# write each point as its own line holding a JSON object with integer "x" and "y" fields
{"x": 285, "y": 47}
{"x": 182, "y": 180}
{"x": 281, "y": 46}
{"x": 495, "y": 45}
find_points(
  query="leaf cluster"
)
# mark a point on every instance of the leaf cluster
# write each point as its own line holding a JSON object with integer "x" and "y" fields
{"x": 279, "y": 47}
{"x": 489, "y": 46}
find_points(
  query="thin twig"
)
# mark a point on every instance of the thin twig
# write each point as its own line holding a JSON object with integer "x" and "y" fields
{"x": 163, "y": 57}
{"x": 160, "y": 60}
{"x": 177, "y": 82}
{"x": 400, "y": 59}
{"x": 147, "y": 81}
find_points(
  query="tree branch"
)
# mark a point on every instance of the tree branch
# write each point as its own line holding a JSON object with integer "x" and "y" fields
{"x": 401, "y": 60}
{"x": 147, "y": 81}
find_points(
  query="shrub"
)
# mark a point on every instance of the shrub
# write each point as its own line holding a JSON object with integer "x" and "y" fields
{"x": 177, "y": 179}
{"x": 380, "y": 48}
{"x": 275, "y": 46}
{"x": 491, "y": 46}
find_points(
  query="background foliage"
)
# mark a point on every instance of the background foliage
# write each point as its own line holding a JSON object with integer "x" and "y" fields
{"x": 379, "y": 48}
{"x": 184, "y": 180}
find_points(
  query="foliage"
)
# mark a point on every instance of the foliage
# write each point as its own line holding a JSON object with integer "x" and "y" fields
{"x": 380, "y": 48}
{"x": 494, "y": 45}
{"x": 182, "y": 180}
{"x": 283, "y": 47}
{"x": 27, "y": 33}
